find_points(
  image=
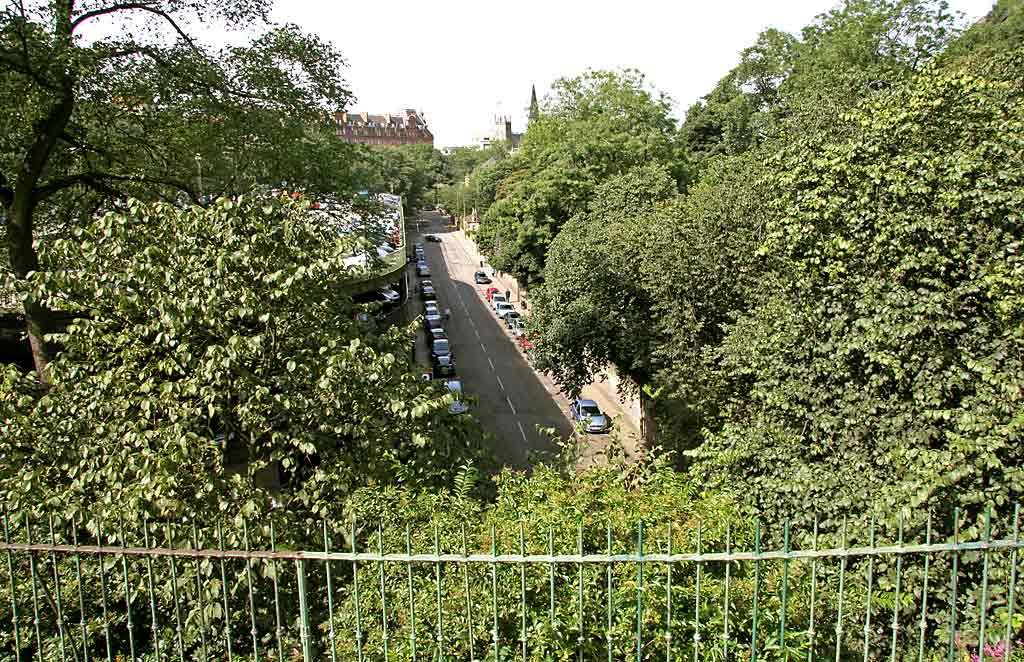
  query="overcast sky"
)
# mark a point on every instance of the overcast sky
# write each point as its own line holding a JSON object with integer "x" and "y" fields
{"x": 462, "y": 62}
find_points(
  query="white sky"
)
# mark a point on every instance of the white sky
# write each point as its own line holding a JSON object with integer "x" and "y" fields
{"x": 461, "y": 62}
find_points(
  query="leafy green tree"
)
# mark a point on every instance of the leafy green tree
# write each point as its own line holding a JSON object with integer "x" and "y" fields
{"x": 883, "y": 361}
{"x": 787, "y": 85}
{"x": 213, "y": 347}
{"x": 592, "y": 309}
{"x": 407, "y": 170}
{"x": 93, "y": 112}
{"x": 596, "y": 126}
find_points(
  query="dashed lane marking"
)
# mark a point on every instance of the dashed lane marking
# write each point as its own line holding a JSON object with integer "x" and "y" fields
{"x": 521, "y": 431}
{"x": 502, "y": 386}
{"x": 483, "y": 348}
{"x": 490, "y": 362}
{"x": 509, "y": 401}
{"x": 476, "y": 332}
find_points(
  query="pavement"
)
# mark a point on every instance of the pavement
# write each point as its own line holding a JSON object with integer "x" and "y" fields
{"x": 521, "y": 407}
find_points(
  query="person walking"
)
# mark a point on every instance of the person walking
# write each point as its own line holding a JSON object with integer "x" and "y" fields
{"x": 447, "y": 314}
{"x": 508, "y": 295}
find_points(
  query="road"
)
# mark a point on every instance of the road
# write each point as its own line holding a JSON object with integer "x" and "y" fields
{"x": 513, "y": 401}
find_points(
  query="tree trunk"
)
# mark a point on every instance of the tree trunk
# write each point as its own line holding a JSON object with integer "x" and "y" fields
{"x": 39, "y": 320}
{"x": 648, "y": 428}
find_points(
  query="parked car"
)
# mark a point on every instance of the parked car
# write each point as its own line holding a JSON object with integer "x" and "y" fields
{"x": 422, "y": 270}
{"x": 438, "y": 334}
{"x": 518, "y": 327}
{"x": 426, "y": 282}
{"x": 481, "y": 278}
{"x": 454, "y": 387}
{"x": 511, "y": 317}
{"x": 490, "y": 292}
{"x": 590, "y": 415}
{"x": 432, "y": 323}
{"x": 390, "y": 295}
{"x": 433, "y": 238}
{"x": 444, "y": 365}
{"x": 441, "y": 348}
{"x": 496, "y": 299}
{"x": 430, "y": 308}
{"x": 501, "y": 309}
{"x": 418, "y": 246}
{"x": 428, "y": 293}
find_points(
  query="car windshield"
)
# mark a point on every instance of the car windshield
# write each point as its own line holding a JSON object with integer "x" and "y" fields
{"x": 440, "y": 345}
{"x": 590, "y": 410}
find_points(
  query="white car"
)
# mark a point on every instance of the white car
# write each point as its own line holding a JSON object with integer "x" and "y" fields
{"x": 503, "y": 309}
{"x": 455, "y": 388}
{"x": 390, "y": 295}
{"x": 430, "y": 308}
{"x": 496, "y": 299}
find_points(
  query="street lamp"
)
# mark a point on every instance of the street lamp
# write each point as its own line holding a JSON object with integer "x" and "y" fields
{"x": 199, "y": 165}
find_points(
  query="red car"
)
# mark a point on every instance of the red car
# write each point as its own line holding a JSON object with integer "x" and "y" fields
{"x": 490, "y": 292}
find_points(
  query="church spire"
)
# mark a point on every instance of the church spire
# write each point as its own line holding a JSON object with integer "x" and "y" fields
{"x": 534, "y": 107}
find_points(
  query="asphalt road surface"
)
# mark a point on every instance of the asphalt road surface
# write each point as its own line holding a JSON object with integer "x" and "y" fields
{"x": 512, "y": 400}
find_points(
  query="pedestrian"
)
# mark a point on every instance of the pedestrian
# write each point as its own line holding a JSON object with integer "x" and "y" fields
{"x": 494, "y": 272}
{"x": 508, "y": 295}
{"x": 481, "y": 264}
{"x": 447, "y": 314}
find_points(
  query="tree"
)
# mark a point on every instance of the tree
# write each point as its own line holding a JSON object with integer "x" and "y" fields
{"x": 592, "y": 309}
{"x": 210, "y": 347}
{"x": 90, "y": 119}
{"x": 596, "y": 126}
{"x": 883, "y": 363}
{"x": 786, "y": 85}
{"x": 407, "y": 170}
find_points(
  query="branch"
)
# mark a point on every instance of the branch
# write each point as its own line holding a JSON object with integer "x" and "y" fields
{"x": 146, "y": 6}
{"x": 100, "y": 181}
{"x": 109, "y": 10}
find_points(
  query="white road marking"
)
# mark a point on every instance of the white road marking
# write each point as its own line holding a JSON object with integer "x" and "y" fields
{"x": 521, "y": 431}
{"x": 482, "y": 347}
{"x": 509, "y": 401}
{"x": 476, "y": 332}
{"x": 499, "y": 382}
{"x": 490, "y": 361}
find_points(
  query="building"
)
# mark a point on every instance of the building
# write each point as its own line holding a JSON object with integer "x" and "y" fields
{"x": 405, "y": 128}
{"x": 502, "y": 132}
{"x": 502, "y": 127}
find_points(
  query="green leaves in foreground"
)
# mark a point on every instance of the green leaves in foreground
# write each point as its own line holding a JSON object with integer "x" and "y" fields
{"x": 210, "y": 348}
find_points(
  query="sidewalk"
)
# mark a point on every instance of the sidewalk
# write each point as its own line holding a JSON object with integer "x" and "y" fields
{"x": 601, "y": 390}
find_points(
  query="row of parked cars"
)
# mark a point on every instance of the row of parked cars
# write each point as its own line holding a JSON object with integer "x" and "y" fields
{"x": 502, "y": 307}
{"x": 584, "y": 412}
{"x": 442, "y": 360}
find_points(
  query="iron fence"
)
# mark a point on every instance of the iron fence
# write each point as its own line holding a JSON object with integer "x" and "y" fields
{"x": 80, "y": 590}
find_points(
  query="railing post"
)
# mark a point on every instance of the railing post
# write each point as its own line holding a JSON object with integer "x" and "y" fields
{"x": 307, "y": 638}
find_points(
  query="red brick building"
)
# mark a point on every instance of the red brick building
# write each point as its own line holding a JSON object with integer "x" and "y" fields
{"x": 407, "y": 128}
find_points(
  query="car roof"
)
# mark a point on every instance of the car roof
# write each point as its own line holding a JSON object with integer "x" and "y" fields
{"x": 587, "y": 403}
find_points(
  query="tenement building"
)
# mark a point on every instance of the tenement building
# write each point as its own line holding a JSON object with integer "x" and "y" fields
{"x": 405, "y": 128}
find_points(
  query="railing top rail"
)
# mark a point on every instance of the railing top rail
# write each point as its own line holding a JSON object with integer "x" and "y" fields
{"x": 719, "y": 557}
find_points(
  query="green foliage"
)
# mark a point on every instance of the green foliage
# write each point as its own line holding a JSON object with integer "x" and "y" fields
{"x": 411, "y": 171}
{"x": 593, "y": 308}
{"x": 785, "y": 85}
{"x": 883, "y": 360}
{"x": 594, "y": 127}
{"x": 209, "y": 348}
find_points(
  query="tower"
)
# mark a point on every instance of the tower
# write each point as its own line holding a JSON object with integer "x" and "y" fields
{"x": 534, "y": 106}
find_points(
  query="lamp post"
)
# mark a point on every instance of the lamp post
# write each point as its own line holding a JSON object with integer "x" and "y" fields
{"x": 199, "y": 165}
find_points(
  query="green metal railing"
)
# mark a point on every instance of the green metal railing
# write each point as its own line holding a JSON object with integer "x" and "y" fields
{"x": 504, "y": 591}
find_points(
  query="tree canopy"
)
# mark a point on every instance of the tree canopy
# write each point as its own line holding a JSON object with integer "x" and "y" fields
{"x": 92, "y": 114}
{"x": 592, "y": 127}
